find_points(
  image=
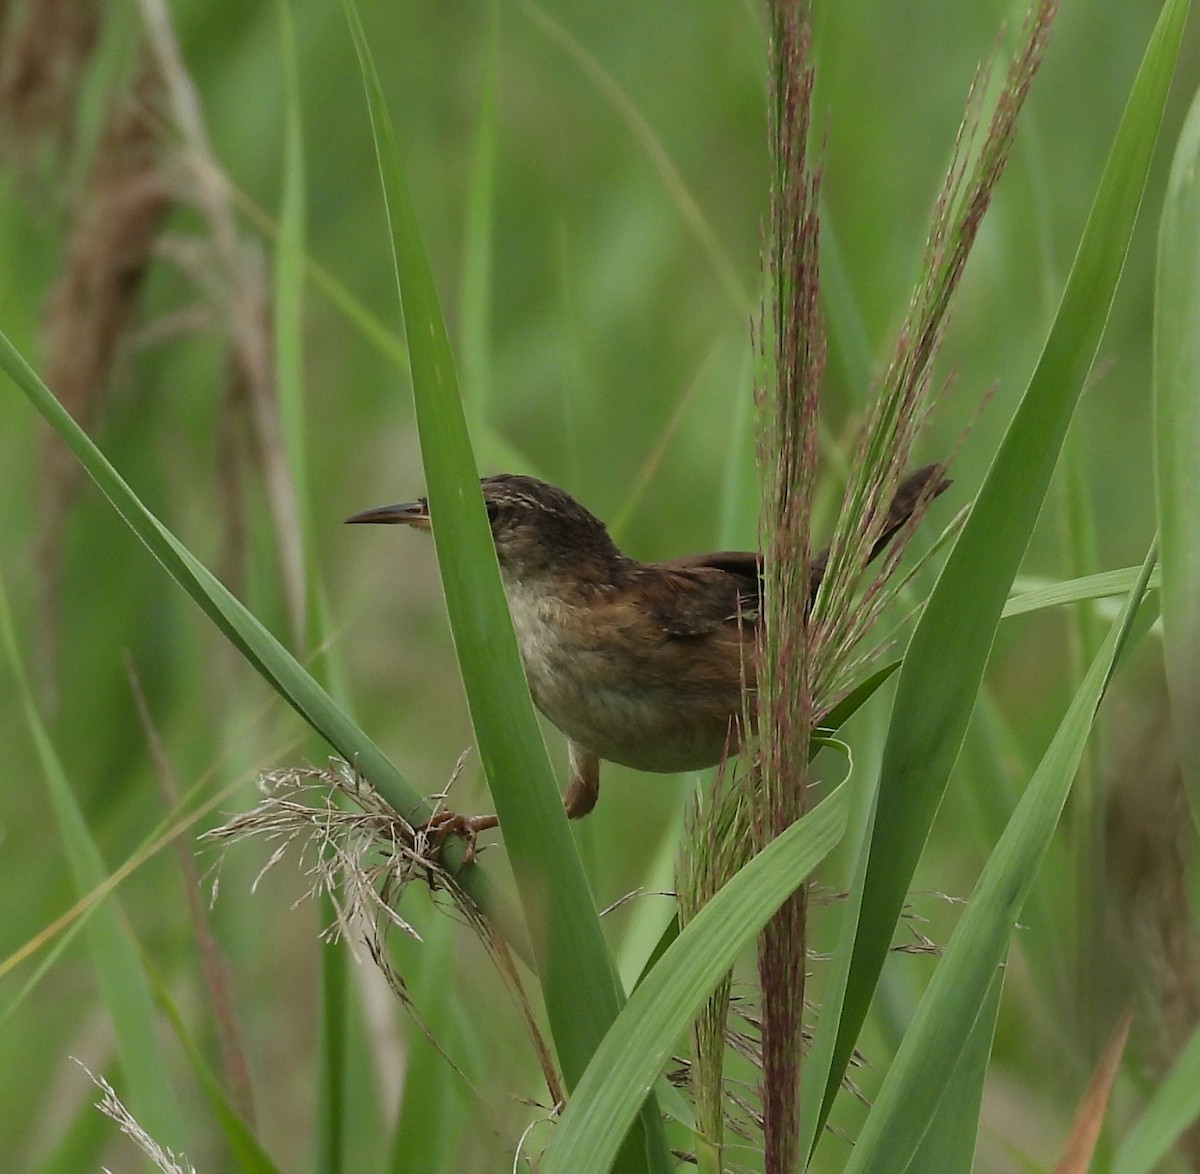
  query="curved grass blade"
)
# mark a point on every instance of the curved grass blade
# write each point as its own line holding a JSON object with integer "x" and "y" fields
{"x": 667, "y": 999}
{"x": 579, "y": 982}
{"x": 943, "y": 667}
{"x": 1102, "y": 585}
{"x": 668, "y": 172}
{"x": 933, "y": 1044}
{"x": 243, "y": 1145}
{"x": 288, "y": 291}
{"x": 1177, "y": 444}
{"x": 949, "y": 1142}
{"x": 259, "y": 647}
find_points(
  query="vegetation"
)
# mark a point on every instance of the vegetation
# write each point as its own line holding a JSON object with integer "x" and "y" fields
{"x": 203, "y": 270}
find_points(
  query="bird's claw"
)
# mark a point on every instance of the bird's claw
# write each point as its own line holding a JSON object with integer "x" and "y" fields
{"x": 450, "y": 823}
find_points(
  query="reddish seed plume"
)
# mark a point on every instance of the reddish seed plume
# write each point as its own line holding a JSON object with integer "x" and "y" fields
{"x": 842, "y": 618}
{"x": 788, "y": 456}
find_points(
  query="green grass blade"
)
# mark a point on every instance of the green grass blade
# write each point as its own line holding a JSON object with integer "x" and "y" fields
{"x": 330, "y": 1124}
{"x": 289, "y": 277}
{"x": 243, "y": 1145}
{"x": 475, "y": 290}
{"x": 1177, "y": 444}
{"x": 943, "y": 668}
{"x": 248, "y": 635}
{"x": 579, "y": 982}
{"x": 117, "y": 960}
{"x": 1174, "y": 1106}
{"x": 332, "y": 1087}
{"x": 281, "y": 670}
{"x": 434, "y": 1107}
{"x": 666, "y": 1001}
{"x": 1102, "y": 585}
{"x": 933, "y": 1044}
{"x": 1086, "y": 588}
{"x": 626, "y": 109}
{"x": 949, "y": 1142}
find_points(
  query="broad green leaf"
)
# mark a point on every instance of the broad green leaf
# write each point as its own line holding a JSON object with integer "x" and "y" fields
{"x": 667, "y": 999}
{"x": 932, "y": 1046}
{"x": 579, "y": 981}
{"x": 943, "y": 667}
{"x": 1177, "y": 444}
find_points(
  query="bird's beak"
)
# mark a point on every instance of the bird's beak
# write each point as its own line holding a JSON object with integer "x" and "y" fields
{"x": 411, "y": 513}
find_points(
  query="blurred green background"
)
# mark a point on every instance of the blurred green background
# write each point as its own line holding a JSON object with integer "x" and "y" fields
{"x": 597, "y": 253}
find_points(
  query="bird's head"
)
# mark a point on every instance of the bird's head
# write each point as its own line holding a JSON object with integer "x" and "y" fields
{"x": 537, "y": 528}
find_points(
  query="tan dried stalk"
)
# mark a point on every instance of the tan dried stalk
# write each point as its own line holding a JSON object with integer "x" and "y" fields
{"x": 237, "y": 288}
{"x": 44, "y": 47}
{"x": 116, "y": 221}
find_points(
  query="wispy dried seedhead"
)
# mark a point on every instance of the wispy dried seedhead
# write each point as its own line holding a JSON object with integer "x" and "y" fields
{"x": 354, "y": 849}
{"x": 151, "y": 153}
{"x": 842, "y": 614}
{"x": 362, "y": 854}
{"x": 44, "y": 45}
{"x": 119, "y": 214}
{"x": 715, "y": 844}
{"x": 112, "y": 1107}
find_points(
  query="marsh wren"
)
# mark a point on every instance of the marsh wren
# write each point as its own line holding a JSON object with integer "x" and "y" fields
{"x": 638, "y": 663}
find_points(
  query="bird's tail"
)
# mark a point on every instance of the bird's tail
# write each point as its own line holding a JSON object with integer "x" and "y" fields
{"x": 917, "y": 490}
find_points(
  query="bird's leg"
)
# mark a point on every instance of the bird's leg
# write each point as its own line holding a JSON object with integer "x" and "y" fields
{"x": 579, "y": 798}
{"x": 450, "y": 823}
{"x": 584, "y": 788}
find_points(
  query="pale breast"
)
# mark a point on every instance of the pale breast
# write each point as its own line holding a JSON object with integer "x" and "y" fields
{"x": 640, "y": 709}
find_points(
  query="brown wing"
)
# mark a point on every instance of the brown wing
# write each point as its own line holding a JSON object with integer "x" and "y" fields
{"x": 692, "y": 596}
{"x": 696, "y": 595}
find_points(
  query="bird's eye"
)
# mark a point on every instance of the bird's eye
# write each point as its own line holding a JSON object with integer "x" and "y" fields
{"x": 492, "y": 510}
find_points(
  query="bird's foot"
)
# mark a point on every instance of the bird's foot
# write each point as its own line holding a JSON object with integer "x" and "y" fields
{"x": 450, "y": 823}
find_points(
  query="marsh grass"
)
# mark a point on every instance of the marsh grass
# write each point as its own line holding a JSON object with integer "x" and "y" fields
{"x": 590, "y": 151}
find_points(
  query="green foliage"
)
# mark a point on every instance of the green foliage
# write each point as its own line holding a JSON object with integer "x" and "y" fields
{"x": 589, "y": 192}
{"x": 579, "y": 982}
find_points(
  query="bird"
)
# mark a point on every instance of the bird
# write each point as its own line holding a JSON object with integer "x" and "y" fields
{"x": 645, "y": 664}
